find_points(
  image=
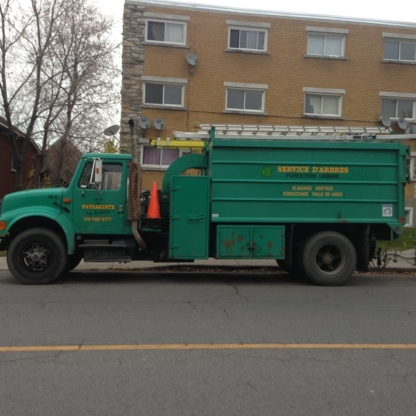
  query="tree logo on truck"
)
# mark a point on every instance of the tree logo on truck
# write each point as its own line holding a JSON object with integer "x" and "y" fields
{"x": 267, "y": 172}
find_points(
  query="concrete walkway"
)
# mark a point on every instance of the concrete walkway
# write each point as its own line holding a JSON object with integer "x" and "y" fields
{"x": 404, "y": 260}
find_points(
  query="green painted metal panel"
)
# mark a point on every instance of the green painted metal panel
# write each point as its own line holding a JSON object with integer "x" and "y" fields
{"x": 268, "y": 242}
{"x": 280, "y": 181}
{"x": 244, "y": 242}
{"x": 191, "y": 161}
{"x": 233, "y": 242}
{"x": 189, "y": 217}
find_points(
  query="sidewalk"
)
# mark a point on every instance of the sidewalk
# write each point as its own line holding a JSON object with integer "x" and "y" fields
{"x": 404, "y": 260}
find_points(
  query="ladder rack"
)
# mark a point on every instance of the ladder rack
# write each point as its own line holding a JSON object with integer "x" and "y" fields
{"x": 246, "y": 129}
{"x": 300, "y": 133}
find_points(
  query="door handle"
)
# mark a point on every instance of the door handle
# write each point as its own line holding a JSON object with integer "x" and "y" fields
{"x": 200, "y": 217}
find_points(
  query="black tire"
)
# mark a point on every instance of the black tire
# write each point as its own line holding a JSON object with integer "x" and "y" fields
{"x": 36, "y": 257}
{"x": 328, "y": 259}
{"x": 73, "y": 261}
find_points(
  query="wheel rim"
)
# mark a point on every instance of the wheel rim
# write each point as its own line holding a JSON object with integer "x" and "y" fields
{"x": 36, "y": 257}
{"x": 330, "y": 259}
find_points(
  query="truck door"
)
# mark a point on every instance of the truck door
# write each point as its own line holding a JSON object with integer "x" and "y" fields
{"x": 189, "y": 217}
{"x": 101, "y": 211}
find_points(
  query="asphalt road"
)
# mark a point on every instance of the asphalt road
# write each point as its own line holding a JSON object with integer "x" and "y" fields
{"x": 109, "y": 343}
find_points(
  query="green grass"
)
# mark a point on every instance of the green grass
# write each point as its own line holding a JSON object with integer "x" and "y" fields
{"x": 406, "y": 241}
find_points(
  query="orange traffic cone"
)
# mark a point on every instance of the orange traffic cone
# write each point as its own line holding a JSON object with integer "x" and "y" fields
{"x": 154, "y": 209}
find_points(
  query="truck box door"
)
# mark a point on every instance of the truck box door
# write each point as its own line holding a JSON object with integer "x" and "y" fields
{"x": 250, "y": 241}
{"x": 268, "y": 242}
{"x": 189, "y": 217}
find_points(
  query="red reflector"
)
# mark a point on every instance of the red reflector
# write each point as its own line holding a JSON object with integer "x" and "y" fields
{"x": 3, "y": 225}
{"x": 401, "y": 220}
{"x": 67, "y": 200}
{"x": 397, "y": 228}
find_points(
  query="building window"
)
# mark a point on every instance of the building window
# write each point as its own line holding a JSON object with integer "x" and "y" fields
{"x": 410, "y": 164}
{"x": 409, "y": 217}
{"x": 247, "y": 36}
{"x": 155, "y": 157}
{"x": 245, "y": 100}
{"x": 397, "y": 108}
{"x": 163, "y": 94}
{"x": 247, "y": 39}
{"x": 326, "y": 42}
{"x": 166, "y": 32}
{"x": 323, "y": 102}
{"x": 245, "y": 97}
{"x": 398, "y": 105}
{"x": 325, "y": 45}
{"x": 400, "y": 50}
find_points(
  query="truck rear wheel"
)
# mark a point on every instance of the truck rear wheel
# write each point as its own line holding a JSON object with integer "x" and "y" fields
{"x": 36, "y": 257}
{"x": 328, "y": 259}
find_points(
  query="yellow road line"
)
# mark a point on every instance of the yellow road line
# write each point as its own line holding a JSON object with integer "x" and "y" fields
{"x": 41, "y": 348}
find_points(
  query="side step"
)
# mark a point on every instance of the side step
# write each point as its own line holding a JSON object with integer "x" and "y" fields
{"x": 104, "y": 251}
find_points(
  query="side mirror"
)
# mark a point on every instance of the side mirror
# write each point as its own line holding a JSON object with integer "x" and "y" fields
{"x": 97, "y": 172}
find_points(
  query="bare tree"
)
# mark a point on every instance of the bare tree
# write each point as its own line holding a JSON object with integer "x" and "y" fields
{"x": 85, "y": 54}
{"x": 64, "y": 55}
{"x": 24, "y": 42}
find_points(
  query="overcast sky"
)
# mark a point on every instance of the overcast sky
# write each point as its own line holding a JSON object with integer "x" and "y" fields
{"x": 403, "y": 10}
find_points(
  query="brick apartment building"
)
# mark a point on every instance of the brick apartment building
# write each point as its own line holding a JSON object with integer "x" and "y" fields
{"x": 260, "y": 69}
{"x": 7, "y": 170}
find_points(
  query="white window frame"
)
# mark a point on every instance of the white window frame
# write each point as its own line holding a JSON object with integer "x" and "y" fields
{"x": 324, "y": 92}
{"x": 164, "y": 82}
{"x": 159, "y": 166}
{"x": 399, "y": 38}
{"x": 326, "y": 32}
{"x": 245, "y": 87}
{"x": 411, "y": 166}
{"x": 12, "y": 166}
{"x": 408, "y": 215}
{"x": 248, "y": 26}
{"x": 166, "y": 21}
{"x": 399, "y": 96}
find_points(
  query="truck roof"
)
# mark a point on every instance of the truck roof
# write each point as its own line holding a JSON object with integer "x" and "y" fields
{"x": 123, "y": 156}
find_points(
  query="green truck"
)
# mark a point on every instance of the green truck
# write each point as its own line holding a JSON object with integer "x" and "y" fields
{"x": 315, "y": 205}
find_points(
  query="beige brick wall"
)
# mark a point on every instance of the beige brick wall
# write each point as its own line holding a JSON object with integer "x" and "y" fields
{"x": 285, "y": 70}
{"x": 151, "y": 176}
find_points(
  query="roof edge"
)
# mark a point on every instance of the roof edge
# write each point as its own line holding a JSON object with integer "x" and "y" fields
{"x": 272, "y": 13}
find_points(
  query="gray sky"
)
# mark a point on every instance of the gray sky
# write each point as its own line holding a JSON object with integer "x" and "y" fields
{"x": 404, "y": 10}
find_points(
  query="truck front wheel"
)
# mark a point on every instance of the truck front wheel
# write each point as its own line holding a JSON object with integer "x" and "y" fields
{"x": 328, "y": 259}
{"x": 73, "y": 261}
{"x": 36, "y": 257}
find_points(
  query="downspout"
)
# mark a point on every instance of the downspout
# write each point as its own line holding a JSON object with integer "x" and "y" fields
{"x": 134, "y": 189}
